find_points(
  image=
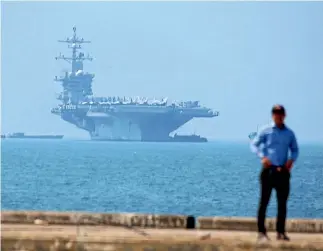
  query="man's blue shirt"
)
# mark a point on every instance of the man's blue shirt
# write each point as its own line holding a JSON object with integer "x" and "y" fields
{"x": 274, "y": 143}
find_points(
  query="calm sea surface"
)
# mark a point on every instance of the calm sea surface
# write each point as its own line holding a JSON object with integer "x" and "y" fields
{"x": 198, "y": 179}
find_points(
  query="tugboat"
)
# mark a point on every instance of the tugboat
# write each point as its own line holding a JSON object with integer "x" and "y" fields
{"x": 252, "y": 135}
{"x": 21, "y": 135}
{"x": 188, "y": 138}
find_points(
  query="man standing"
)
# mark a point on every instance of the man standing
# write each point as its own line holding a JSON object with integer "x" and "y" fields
{"x": 272, "y": 145}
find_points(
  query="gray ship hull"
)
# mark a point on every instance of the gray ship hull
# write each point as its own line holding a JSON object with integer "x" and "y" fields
{"x": 146, "y": 126}
{"x": 170, "y": 139}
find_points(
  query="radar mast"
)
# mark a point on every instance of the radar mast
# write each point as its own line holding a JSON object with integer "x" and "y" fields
{"x": 77, "y": 84}
{"x": 74, "y": 43}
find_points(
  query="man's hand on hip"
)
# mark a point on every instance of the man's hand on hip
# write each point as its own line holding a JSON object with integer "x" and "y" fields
{"x": 265, "y": 162}
{"x": 289, "y": 164}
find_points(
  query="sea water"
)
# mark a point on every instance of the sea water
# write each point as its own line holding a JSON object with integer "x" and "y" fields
{"x": 177, "y": 178}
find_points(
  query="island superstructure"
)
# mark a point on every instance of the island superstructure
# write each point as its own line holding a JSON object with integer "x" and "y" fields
{"x": 117, "y": 118}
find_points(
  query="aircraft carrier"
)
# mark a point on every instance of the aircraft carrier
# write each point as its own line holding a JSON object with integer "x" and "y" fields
{"x": 118, "y": 118}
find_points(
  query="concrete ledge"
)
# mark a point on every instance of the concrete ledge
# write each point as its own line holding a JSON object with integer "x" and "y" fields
{"x": 68, "y": 245}
{"x": 83, "y": 218}
{"x": 155, "y": 221}
{"x": 18, "y": 237}
{"x": 77, "y": 231}
{"x": 250, "y": 224}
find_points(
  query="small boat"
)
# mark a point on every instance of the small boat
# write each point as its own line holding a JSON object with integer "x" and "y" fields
{"x": 188, "y": 138}
{"x": 21, "y": 135}
{"x": 253, "y": 135}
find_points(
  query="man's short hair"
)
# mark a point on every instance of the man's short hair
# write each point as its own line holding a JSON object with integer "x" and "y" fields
{"x": 278, "y": 109}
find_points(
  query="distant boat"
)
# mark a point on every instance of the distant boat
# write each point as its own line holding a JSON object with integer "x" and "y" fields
{"x": 253, "y": 135}
{"x": 3, "y": 136}
{"x": 21, "y": 135}
{"x": 188, "y": 138}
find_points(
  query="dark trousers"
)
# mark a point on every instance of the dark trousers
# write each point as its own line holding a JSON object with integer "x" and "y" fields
{"x": 269, "y": 179}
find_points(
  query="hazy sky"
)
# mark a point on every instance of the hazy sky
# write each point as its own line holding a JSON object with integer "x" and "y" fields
{"x": 237, "y": 57}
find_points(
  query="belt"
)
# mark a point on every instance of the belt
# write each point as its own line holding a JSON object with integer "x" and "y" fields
{"x": 274, "y": 168}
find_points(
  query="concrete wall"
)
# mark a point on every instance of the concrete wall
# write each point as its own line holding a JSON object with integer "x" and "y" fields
{"x": 78, "y": 231}
{"x": 111, "y": 219}
{"x": 157, "y": 221}
{"x": 250, "y": 224}
{"x": 67, "y": 245}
